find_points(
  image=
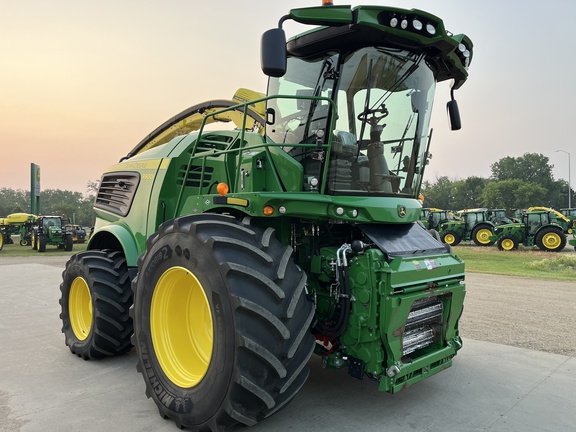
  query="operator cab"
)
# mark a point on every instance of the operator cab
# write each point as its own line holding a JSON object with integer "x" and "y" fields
{"x": 352, "y": 102}
{"x": 379, "y": 136}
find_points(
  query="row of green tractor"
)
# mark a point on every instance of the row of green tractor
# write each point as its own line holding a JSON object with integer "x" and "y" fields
{"x": 537, "y": 226}
{"x": 40, "y": 231}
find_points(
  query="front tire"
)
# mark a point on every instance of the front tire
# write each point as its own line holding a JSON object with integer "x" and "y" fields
{"x": 41, "y": 243}
{"x": 68, "y": 243}
{"x": 551, "y": 239}
{"x": 507, "y": 243}
{"x": 96, "y": 298}
{"x": 221, "y": 322}
{"x": 451, "y": 237}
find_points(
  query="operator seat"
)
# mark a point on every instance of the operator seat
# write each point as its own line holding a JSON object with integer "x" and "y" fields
{"x": 343, "y": 154}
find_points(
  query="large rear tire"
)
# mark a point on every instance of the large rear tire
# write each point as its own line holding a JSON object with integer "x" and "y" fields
{"x": 481, "y": 235}
{"x": 221, "y": 322}
{"x": 96, "y": 298}
{"x": 551, "y": 239}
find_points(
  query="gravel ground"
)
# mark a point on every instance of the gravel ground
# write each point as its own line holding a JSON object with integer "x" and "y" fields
{"x": 521, "y": 312}
{"x": 526, "y": 313}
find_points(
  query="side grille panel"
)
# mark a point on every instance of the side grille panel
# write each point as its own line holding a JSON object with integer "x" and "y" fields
{"x": 117, "y": 191}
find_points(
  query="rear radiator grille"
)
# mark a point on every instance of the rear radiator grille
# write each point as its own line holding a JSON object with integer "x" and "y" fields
{"x": 423, "y": 325}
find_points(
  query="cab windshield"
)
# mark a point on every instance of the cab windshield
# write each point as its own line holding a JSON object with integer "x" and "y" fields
{"x": 377, "y": 135}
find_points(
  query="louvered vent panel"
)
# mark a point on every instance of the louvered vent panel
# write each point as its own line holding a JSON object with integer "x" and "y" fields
{"x": 117, "y": 191}
{"x": 194, "y": 174}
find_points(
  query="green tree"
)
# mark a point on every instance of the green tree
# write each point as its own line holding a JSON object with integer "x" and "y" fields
{"x": 14, "y": 201}
{"x": 531, "y": 167}
{"x": 439, "y": 194}
{"x": 467, "y": 193}
{"x": 513, "y": 193}
{"x": 71, "y": 204}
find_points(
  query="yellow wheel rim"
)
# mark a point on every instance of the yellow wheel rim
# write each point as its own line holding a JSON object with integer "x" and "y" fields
{"x": 449, "y": 238}
{"x": 181, "y": 327}
{"x": 551, "y": 240}
{"x": 507, "y": 244}
{"x": 80, "y": 308}
{"x": 483, "y": 235}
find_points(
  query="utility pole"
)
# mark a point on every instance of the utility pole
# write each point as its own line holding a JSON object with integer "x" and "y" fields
{"x": 569, "y": 187}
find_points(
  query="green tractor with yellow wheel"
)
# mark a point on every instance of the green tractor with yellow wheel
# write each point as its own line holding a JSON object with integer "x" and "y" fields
{"x": 20, "y": 224}
{"x": 51, "y": 230}
{"x": 229, "y": 256}
{"x": 541, "y": 228}
{"x": 470, "y": 224}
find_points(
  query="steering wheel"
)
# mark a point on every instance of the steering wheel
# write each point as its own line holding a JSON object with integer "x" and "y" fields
{"x": 373, "y": 116}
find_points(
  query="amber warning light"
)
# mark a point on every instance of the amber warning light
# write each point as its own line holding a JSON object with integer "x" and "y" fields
{"x": 327, "y": 3}
{"x": 222, "y": 189}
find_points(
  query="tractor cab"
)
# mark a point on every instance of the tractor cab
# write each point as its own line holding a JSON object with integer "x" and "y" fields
{"x": 354, "y": 109}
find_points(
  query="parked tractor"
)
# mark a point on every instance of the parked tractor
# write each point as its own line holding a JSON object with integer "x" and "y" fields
{"x": 542, "y": 228}
{"x": 228, "y": 257}
{"x": 433, "y": 218}
{"x": 17, "y": 224}
{"x": 78, "y": 233}
{"x": 50, "y": 230}
{"x": 470, "y": 224}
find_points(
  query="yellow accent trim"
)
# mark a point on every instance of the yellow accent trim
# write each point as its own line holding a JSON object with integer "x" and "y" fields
{"x": 151, "y": 164}
{"x": 237, "y": 201}
{"x": 557, "y": 213}
{"x": 80, "y": 308}
{"x": 181, "y": 327}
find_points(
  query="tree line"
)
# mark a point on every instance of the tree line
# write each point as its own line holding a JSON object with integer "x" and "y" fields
{"x": 515, "y": 183}
{"x": 73, "y": 205}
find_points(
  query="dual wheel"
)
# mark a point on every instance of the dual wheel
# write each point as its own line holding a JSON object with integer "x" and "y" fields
{"x": 221, "y": 320}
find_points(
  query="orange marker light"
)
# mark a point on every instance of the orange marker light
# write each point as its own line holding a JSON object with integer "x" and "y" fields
{"x": 222, "y": 189}
{"x": 268, "y": 210}
{"x": 327, "y": 3}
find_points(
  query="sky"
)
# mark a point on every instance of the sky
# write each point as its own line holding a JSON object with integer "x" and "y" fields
{"x": 81, "y": 83}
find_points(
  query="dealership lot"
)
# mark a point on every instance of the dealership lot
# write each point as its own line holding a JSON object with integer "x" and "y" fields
{"x": 43, "y": 387}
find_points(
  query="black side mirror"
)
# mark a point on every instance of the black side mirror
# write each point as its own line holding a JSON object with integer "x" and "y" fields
{"x": 273, "y": 53}
{"x": 454, "y": 115}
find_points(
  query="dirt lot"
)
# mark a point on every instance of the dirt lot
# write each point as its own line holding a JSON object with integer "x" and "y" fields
{"x": 521, "y": 312}
{"x": 527, "y": 313}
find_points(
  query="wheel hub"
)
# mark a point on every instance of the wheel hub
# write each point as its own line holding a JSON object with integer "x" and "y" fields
{"x": 80, "y": 308}
{"x": 551, "y": 241}
{"x": 483, "y": 236}
{"x": 181, "y": 327}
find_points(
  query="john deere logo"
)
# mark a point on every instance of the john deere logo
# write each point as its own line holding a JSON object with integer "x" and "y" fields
{"x": 402, "y": 211}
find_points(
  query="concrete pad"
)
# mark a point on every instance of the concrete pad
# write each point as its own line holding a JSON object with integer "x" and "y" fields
{"x": 43, "y": 387}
